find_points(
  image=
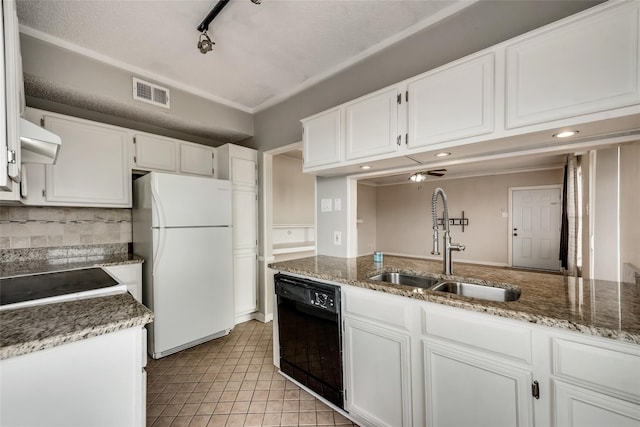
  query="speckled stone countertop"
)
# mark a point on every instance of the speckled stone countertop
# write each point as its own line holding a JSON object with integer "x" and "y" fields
{"x": 29, "y": 329}
{"x": 19, "y": 268}
{"x": 595, "y": 307}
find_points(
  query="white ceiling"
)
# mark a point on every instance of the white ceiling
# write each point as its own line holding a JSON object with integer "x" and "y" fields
{"x": 263, "y": 53}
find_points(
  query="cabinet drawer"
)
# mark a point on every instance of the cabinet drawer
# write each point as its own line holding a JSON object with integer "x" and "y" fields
{"x": 479, "y": 331}
{"x": 614, "y": 370}
{"x": 377, "y": 306}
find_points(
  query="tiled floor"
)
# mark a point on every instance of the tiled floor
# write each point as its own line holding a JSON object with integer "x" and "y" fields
{"x": 230, "y": 381}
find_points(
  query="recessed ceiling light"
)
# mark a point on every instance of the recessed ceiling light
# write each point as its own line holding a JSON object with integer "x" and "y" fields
{"x": 566, "y": 134}
{"x": 365, "y": 167}
{"x": 443, "y": 154}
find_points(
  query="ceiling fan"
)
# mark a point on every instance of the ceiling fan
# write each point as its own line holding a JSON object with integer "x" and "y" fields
{"x": 436, "y": 172}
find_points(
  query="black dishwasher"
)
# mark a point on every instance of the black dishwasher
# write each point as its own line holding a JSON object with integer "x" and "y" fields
{"x": 310, "y": 335}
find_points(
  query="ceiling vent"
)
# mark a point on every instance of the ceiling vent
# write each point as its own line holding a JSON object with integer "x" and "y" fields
{"x": 150, "y": 93}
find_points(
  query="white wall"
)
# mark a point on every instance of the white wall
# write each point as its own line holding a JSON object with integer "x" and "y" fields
{"x": 341, "y": 220}
{"x": 367, "y": 221}
{"x": 404, "y": 224}
{"x": 293, "y": 192}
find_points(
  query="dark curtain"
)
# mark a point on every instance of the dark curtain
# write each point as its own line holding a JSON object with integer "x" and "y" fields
{"x": 564, "y": 230}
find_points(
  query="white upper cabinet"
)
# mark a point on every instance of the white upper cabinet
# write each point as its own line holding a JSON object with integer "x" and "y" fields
{"x": 451, "y": 103}
{"x": 585, "y": 66}
{"x": 372, "y": 125}
{"x": 197, "y": 159}
{"x": 92, "y": 167}
{"x": 322, "y": 139}
{"x": 155, "y": 153}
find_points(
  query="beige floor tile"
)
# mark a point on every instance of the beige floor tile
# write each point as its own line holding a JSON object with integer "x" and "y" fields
{"x": 292, "y": 395}
{"x": 253, "y": 420}
{"x": 240, "y": 407}
{"x": 263, "y": 385}
{"x": 223, "y": 408}
{"x": 155, "y": 410}
{"x": 199, "y": 421}
{"x": 163, "y": 421}
{"x": 171, "y": 410}
{"x": 291, "y": 406}
{"x": 274, "y": 406}
{"x": 163, "y": 398}
{"x": 189, "y": 409}
{"x": 325, "y": 418}
{"x": 276, "y": 394}
{"x": 236, "y": 420}
{"x": 260, "y": 395}
{"x": 257, "y": 407}
{"x": 244, "y": 396}
{"x": 228, "y": 396}
{"x": 233, "y": 386}
{"x": 307, "y": 418}
{"x": 273, "y": 419}
{"x": 289, "y": 419}
{"x": 206, "y": 408}
{"x": 278, "y": 385}
{"x": 218, "y": 420}
{"x": 307, "y": 405}
{"x": 339, "y": 419}
{"x": 212, "y": 396}
{"x": 181, "y": 421}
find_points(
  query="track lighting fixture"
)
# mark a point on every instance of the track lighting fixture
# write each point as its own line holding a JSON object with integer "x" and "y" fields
{"x": 204, "y": 41}
{"x": 205, "y": 44}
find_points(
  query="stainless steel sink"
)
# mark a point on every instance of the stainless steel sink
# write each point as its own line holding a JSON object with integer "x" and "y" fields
{"x": 477, "y": 291}
{"x": 406, "y": 279}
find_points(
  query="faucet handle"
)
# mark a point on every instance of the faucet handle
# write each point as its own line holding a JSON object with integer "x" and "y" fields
{"x": 457, "y": 247}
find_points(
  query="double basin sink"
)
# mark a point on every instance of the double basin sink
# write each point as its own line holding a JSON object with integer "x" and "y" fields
{"x": 466, "y": 289}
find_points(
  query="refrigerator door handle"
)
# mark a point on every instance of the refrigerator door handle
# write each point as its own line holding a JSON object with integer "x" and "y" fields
{"x": 157, "y": 203}
{"x": 158, "y": 249}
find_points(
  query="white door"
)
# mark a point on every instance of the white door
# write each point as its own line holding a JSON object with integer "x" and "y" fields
{"x": 192, "y": 285}
{"x": 535, "y": 233}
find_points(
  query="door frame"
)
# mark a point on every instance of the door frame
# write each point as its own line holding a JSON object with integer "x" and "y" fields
{"x": 510, "y": 225}
{"x": 265, "y": 208}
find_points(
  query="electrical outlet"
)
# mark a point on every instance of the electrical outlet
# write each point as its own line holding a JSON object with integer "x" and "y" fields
{"x": 337, "y": 238}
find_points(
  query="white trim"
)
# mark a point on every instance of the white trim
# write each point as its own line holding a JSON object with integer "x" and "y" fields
{"x": 618, "y": 248}
{"x": 241, "y": 318}
{"x": 419, "y": 26}
{"x": 130, "y": 68}
{"x": 510, "y": 213}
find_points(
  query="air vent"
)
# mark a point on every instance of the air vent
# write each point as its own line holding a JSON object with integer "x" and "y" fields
{"x": 150, "y": 93}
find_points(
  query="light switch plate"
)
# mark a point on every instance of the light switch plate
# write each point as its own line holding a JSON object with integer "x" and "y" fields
{"x": 325, "y": 205}
{"x": 337, "y": 238}
{"x": 337, "y": 204}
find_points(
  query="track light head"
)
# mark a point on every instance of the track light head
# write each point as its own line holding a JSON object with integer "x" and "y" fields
{"x": 205, "y": 44}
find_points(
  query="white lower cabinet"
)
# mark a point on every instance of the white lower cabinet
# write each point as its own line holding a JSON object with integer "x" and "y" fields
{"x": 97, "y": 381}
{"x": 378, "y": 379}
{"x": 465, "y": 387}
{"x": 410, "y": 362}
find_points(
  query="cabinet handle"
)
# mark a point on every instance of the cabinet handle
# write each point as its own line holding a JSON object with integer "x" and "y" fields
{"x": 399, "y": 140}
{"x": 535, "y": 389}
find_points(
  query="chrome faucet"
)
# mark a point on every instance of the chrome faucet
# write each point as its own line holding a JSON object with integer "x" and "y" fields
{"x": 448, "y": 246}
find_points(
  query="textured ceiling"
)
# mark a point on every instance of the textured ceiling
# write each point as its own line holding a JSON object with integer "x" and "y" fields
{"x": 263, "y": 53}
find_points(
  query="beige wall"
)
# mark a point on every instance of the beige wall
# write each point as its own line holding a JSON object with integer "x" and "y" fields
{"x": 367, "y": 212}
{"x": 630, "y": 204}
{"x": 404, "y": 214}
{"x": 293, "y": 192}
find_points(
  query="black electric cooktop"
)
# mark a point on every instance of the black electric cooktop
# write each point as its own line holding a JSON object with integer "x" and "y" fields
{"x": 26, "y": 288}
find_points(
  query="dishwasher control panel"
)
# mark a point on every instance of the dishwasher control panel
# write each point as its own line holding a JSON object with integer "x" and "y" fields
{"x": 321, "y": 299}
{"x": 308, "y": 292}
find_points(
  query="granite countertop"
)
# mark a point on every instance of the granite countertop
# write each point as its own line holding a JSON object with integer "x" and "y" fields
{"x": 29, "y": 329}
{"x": 595, "y": 307}
{"x": 20, "y": 267}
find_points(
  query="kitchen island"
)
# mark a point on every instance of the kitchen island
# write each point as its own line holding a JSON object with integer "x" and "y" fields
{"x": 566, "y": 351}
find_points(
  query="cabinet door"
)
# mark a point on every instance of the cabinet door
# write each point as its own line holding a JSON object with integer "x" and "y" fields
{"x": 92, "y": 167}
{"x": 452, "y": 103}
{"x": 579, "y": 407}
{"x": 322, "y": 139}
{"x": 156, "y": 154}
{"x": 197, "y": 160}
{"x": 588, "y": 65}
{"x": 244, "y": 278}
{"x": 468, "y": 388}
{"x": 243, "y": 172}
{"x": 378, "y": 379}
{"x": 244, "y": 220}
{"x": 372, "y": 125}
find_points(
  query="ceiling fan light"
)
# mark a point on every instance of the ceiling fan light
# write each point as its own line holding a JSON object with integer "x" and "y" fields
{"x": 418, "y": 177}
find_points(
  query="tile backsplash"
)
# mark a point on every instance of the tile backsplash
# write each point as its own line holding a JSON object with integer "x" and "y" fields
{"x": 38, "y": 227}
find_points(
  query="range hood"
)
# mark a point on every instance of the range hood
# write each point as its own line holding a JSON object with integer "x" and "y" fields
{"x": 38, "y": 145}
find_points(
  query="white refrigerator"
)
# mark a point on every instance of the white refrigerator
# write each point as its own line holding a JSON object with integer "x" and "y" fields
{"x": 182, "y": 228}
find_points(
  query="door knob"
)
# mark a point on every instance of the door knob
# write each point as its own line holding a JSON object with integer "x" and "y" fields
{"x": 515, "y": 229}
{"x": 515, "y": 234}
